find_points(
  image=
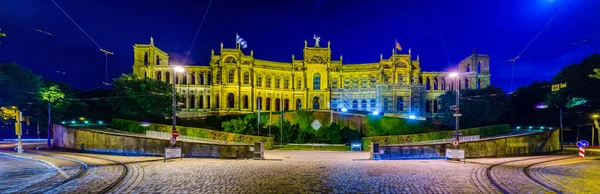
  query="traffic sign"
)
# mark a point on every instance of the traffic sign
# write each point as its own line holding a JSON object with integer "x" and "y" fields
{"x": 175, "y": 134}
{"x": 457, "y": 133}
{"x": 455, "y": 143}
{"x": 457, "y": 115}
{"x": 583, "y": 143}
{"x": 173, "y": 141}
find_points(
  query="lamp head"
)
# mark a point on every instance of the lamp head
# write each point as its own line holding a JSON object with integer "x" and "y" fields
{"x": 453, "y": 74}
{"x": 179, "y": 69}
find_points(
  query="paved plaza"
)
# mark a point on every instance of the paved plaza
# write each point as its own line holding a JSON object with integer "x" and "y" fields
{"x": 293, "y": 172}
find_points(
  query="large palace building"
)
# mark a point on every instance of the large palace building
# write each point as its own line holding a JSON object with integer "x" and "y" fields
{"x": 234, "y": 82}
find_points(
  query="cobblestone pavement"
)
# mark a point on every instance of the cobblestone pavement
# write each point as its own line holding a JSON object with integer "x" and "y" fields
{"x": 310, "y": 172}
{"x": 17, "y": 173}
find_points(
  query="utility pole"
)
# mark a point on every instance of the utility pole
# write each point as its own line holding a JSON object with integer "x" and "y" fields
{"x": 106, "y": 53}
{"x": 513, "y": 72}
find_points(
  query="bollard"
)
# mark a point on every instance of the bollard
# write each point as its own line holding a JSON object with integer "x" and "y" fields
{"x": 375, "y": 151}
{"x": 259, "y": 151}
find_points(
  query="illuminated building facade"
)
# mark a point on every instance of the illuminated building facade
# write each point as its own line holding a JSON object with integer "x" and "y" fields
{"x": 234, "y": 82}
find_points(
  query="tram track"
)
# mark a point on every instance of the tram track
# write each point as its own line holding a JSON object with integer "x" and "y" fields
{"x": 83, "y": 172}
{"x": 525, "y": 170}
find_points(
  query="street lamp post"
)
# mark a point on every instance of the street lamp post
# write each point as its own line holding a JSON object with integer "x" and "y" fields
{"x": 457, "y": 113}
{"x": 176, "y": 69}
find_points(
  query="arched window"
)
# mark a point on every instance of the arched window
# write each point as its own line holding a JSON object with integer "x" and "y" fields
{"x": 400, "y": 78}
{"x": 218, "y": 77}
{"x": 184, "y": 100}
{"x": 268, "y": 104}
{"x": 208, "y": 101}
{"x": 176, "y": 78}
{"x": 201, "y": 102}
{"x": 355, "y": 104}
{"x": 363, "y": 104}
{"x": 209, "y": 79}
{"x": 443, "y": 83}
{"x": 373, "y": 104}
{"x": 201, "y": 78}
{"x": 146, "y": 58}
{"x": 466, "y": 83}
{"x": 435, "y": 106}
{"x": 159, "y": 76}
{"x": 298, "y": 104}
{"x": 185, "y": 78}
{"x": 316, "y": 81}
{"x": 246, "y": 77}
{"x": 478, "y": 83}
{"x": 230, "y": 100}
{"x": 299, "y": 84}
{"x": 277, "y": 104}
{"x": 451, "y": 85}
{"x": 145, "y": 74}
{"x": 420, "y": 80}
{"x": 435, "y": 83}
{"x": 468, "y": 67}
{"x": 268, "y": 80}
{"x": 245, "y": 101}
{"x": 478, "y": 67}
{"x": 277, "y": 82}
{"x": 286, "y": 104}
{"x": 399, "y": 104}
{"x": 427, "y": 83}
{"x": 428, "y": 106}
{"x": 192, "y": 101}
{"x": 193, "y": 78}
{"x": 316, "y": 103}
{"x": 230, "y": 76}
{"x": 157, "y": 60}
{"x": 258, "y": 80}
{"x": 168, "y": 77}
{"x": 217, "y": 100}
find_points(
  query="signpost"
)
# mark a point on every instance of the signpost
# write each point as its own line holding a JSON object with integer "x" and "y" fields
{"x": 582, "y": 144}
{"x": 455, "y": 143}
{"x": 172, "y": 153}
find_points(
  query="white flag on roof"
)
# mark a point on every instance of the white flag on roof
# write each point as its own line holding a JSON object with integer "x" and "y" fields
{"x": 240, "y": 41}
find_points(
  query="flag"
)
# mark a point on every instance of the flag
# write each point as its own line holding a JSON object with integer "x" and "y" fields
{"x": 241, "y": 41}
{"x": 398, "y": 46}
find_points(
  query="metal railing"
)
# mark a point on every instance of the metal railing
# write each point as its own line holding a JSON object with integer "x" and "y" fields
{"x": 163, "y": 135}
{"x": 461, "y": 138}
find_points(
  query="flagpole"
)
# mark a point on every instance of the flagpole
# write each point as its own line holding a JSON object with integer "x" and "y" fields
{"x": 395, "y": 43}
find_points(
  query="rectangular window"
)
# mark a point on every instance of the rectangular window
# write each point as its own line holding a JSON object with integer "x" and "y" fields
{"x": 286, "y": 83}
{"x": 259, "y": 81}
{"x": 268, "y": 81}
{"x": 299, "y": 84}
{"x": 277, "y": 82}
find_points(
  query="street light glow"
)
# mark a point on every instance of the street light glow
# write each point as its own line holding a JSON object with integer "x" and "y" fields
{"x": 453, "y": 74}
{"x": 412, "y": 117}
{"x": 179, "y": 69}
{"x": 375, "y": 112}
{"x": 595, "y": 116}
{"x": 344, "y": 109}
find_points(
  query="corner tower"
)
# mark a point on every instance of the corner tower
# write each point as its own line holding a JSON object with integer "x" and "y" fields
{"x": 146, "y": 56}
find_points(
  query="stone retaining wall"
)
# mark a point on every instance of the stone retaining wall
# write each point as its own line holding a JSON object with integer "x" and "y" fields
{"x": 516, "y": 145}
{"x": 89, "y": 140}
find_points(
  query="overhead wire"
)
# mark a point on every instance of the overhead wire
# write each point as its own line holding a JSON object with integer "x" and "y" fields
{"x": 441, "y": 33}
{"x": 197, "y": 31}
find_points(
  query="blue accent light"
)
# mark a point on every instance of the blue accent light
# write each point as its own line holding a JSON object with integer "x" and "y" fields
{"x": 344, "y": 110}
{"x": 412, "y": 117}
{"x": 375, "y": 112}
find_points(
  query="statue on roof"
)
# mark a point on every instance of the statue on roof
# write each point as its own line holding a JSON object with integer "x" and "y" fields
{"x": 317, "y": 39}
{"x": 151, "y": 40}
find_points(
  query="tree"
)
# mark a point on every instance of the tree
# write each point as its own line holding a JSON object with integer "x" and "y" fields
{"x": 596, "y": 74}
{"x": 477, "y": 106}
{"x": 51, "y": 94}
{"x": 19, "y": 85}
{"x": 141, "y": 98}
{"x": 582, "y": 88}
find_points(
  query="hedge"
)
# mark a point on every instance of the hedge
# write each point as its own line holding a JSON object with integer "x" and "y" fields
{"x": 485, "y": 131}
{"x": 136, "y": 127}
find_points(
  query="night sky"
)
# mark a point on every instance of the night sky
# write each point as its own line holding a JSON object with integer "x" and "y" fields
{"x": 42, "y": 38}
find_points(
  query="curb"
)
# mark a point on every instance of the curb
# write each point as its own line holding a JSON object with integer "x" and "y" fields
{"x": 28, "y": 158}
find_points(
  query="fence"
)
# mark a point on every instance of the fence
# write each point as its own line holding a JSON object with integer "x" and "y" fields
{"x": 461, "y": 138}
{"x": 163, "y": 135}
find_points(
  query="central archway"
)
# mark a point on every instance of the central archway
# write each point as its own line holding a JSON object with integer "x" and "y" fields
{"x": 230, "y": 100}
{"x": 298, "y": 104}
{"x": 316, "y": 103}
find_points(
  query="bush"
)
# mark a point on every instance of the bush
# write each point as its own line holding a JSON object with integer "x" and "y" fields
{"x": 485, "y": 131}
{"x": 136, "y": 127}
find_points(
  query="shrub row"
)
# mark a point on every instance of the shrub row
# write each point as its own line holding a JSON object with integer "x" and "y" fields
{"x": 136, "y": 127}
{"x": 485, "y": 131}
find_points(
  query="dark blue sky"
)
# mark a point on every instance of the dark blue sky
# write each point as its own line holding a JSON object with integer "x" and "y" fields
{"x": 358, "y": 30}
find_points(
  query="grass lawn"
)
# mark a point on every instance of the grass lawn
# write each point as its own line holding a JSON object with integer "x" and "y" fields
{"x": 307, "y": 147}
